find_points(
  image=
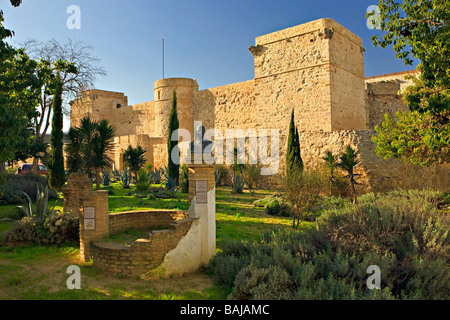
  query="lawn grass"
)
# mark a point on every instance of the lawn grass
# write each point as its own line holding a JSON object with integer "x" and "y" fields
{"x": 39, "y": 272}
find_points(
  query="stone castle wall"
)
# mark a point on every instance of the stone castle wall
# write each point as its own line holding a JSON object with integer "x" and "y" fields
{"x": 315, "y": 69}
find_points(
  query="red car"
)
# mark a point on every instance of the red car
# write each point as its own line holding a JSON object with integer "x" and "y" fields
{"x": 26, "y": 168}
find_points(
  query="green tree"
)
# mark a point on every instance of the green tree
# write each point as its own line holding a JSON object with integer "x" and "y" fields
{"x": 331, "y": 163}
{"x": 103, "y": 144}
{"x": 74, "y": 159}
{"x": 134, "y": 159}
{"x": 293, "y": 153}
{"x": 184, "y": 178}
{"x": 18, "y": 92}
{"x": 89, "y": 148}
{"x": 173, "y": 168}
{"x": 348, "y": 162}
{"x": 56, "y": 164}
{"x": 418, "y": 30}
{"x": 302, "y": 190}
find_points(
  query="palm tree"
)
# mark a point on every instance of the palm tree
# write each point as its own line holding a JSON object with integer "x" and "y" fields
{"x": 330, "y": 164}
{"x": 348, "y": 162}
{"x": 86, "y": 132}
{"x": 102, "y": 144}
{"x": 90, "y": 144}
{"x": 134, "y": 159}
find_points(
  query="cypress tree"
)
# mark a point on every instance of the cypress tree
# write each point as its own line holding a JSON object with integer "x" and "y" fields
{"x": 173, "y": 168}
{"x": 298, "y": 153}
{"x": 293, "y": 156}
{"x": 56, "y": 163}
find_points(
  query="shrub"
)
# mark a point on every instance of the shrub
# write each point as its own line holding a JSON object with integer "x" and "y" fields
{"x": 405, "y": 223}
{"x": 62, "y": 228}
{"x": 16, "y": 184}
{"x": 142, "y": 182}
{"x": 402, "y": 232}
{"x": 302, "y": 190}
{"x": 221, "y": 175}
{"x": 280, "y": 209}
{"x": 252, "y": 176}
{"x": 25, "y": 230}
{"x": 254, "y": 283}
{"x": 56, "y": 229}
{"x": 184, "y": 178}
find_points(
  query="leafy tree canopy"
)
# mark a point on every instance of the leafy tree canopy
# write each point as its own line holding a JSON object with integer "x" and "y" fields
{"x": 418, "y": 29}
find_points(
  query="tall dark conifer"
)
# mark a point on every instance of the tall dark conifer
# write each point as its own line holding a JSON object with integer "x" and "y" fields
{"x": 56, "y": 163}
{"x": 174, "y": 125}
{"x": 293, "y": 153}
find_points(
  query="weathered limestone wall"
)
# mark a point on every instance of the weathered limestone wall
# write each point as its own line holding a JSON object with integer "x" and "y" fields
{"x": 292, "y": 72}
{"x": 383, "y": 98}
{"x": 315, "y": 69}
{"x": 348, "y": 110}
{"x": 377, "y": 174}
{"x": 384, "y": 95}
{"x": 113, "y": 106}
{"x": 224, "y": 107}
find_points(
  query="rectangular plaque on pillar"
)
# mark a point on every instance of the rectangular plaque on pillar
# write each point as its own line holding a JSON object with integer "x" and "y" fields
{"x": 89, "y": 213}
{"x": 89, "y": 218}
{"x": 201, "y": 191}
{"x": 89, "y": 224}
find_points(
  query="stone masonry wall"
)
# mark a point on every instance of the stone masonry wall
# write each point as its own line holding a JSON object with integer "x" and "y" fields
{"x": 315, "y": 69}
{"x": 377, "y": 174}
{"x": 292, "y": 72}
{"x": 120, "y": 222}
{"x": 141, "y": 256}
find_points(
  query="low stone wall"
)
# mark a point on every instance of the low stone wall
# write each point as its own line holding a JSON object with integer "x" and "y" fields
{"x": 123, "y": 221}
{"x": 140, "y": 257}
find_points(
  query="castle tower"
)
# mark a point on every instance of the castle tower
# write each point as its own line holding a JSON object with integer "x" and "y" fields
{"x": 164, "y": 88}
{"x": 317, "y": 69}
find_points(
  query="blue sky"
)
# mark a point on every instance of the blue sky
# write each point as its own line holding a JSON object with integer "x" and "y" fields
{"x": 205, "y": 40}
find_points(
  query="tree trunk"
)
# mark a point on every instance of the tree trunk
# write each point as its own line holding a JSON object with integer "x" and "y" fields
{"x": 2, "y": 167}
{"x": 355, "y": 198}
{"x": 35, "y": 167}
{"x": 97, "y": 178}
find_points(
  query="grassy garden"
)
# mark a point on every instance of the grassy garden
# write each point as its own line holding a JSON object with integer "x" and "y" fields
{"x": 261, "y": 255}
{"x": 33, "y": 271}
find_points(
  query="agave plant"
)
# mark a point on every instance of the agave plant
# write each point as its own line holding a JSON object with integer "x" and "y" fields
{"x": 42, "y": 211}
{"x": 105, "y": 178}
{"x": 157, "y": 175}
{"x": 237, "y": 183}
{"x": 125, "y": 178}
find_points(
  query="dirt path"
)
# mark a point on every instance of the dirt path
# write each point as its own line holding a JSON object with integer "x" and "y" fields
{"x": 49, "y": 274}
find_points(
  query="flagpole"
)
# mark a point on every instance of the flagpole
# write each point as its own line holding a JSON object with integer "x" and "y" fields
{"x": 163, "y": 58}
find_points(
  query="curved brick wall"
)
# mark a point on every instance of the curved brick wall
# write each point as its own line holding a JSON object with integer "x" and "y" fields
{"x": 144, "y": 254}
{"x": 120, "y": 222}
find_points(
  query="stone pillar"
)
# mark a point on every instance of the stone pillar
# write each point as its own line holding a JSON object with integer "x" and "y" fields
{"x": 91, "y": 207}
{"x": 77, "y": 189}
{"x": 94, "y": 222}
{"x": 202, "y": 200}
